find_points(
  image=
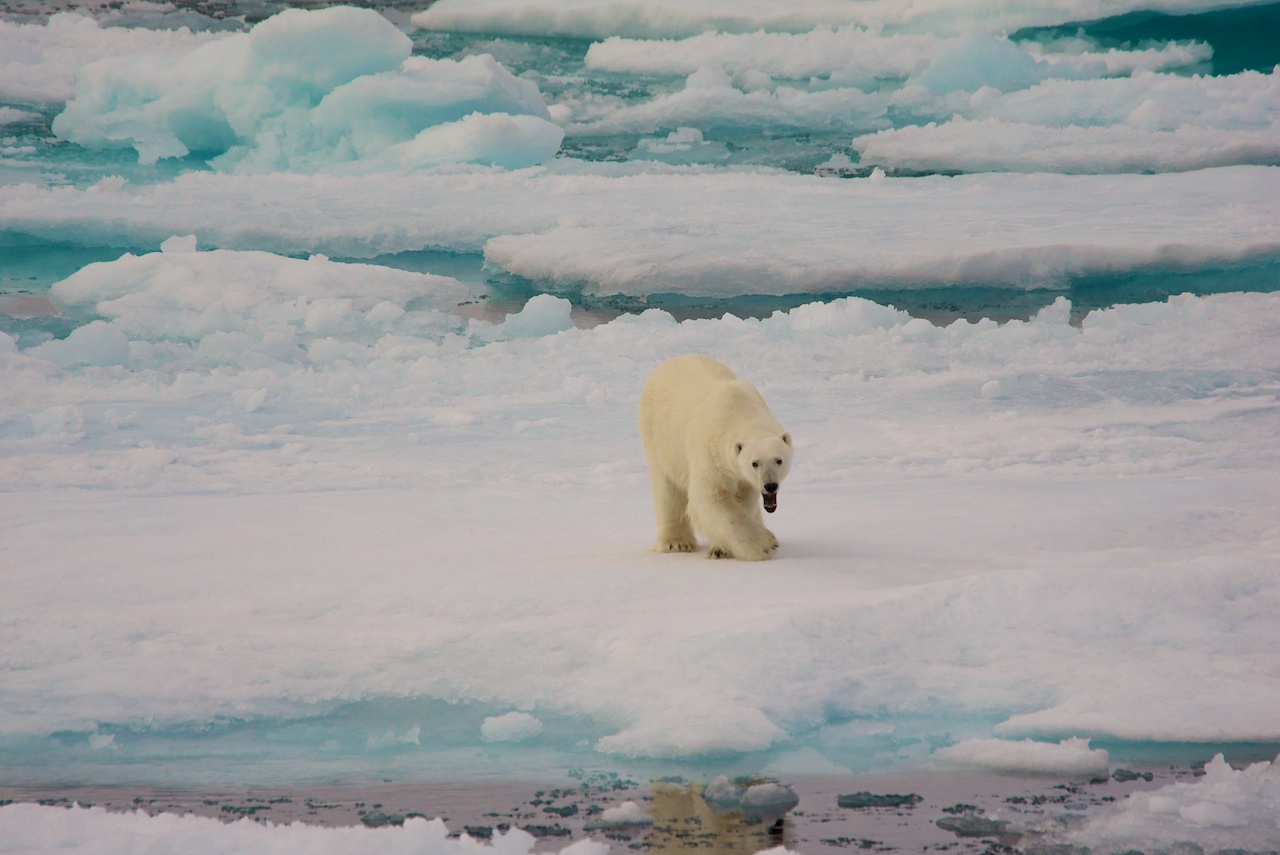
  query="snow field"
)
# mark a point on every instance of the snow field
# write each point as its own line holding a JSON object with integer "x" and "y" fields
{"x": 899, "y": 430}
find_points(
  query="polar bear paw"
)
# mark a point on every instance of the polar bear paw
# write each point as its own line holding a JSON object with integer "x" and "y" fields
{"x": 676, "y": 545}
{"x": 757, "y": 552}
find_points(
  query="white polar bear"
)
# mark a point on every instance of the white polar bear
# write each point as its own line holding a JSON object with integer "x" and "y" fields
{"x": 712, "y": 447}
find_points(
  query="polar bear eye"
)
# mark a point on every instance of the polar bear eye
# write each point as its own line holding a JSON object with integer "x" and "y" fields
{"x": 778, "y": 461}
{"x": 755, "y": 464}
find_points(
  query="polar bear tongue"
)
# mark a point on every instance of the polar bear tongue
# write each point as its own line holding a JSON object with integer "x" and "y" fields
{"x": 770, "y": 502}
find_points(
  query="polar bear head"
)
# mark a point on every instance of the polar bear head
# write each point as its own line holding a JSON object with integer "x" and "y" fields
{"x": 764, "y": 462}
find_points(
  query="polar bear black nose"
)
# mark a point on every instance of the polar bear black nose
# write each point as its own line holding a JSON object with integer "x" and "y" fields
{"x": 771, "y": 488}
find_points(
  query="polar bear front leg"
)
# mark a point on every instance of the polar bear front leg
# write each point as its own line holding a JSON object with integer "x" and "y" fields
{"x": 733, "y": 525}
{"x": 671, "y": 505}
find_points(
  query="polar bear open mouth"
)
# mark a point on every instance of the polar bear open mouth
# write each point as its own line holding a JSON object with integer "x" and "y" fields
{"x": 770, "y": 502}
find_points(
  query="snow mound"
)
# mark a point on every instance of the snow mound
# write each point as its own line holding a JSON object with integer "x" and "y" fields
{"x": 1070, "y": 757}
{"x": 311, "y": 91}
{"x": 244, "y": 306}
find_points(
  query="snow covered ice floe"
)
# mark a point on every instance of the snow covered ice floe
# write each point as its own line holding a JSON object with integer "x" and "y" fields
{"x": 447, "y": 470}
{"x": 699, "y": 233}
{"x": 673, "y": 19}
{"x": 1071, "y": 757}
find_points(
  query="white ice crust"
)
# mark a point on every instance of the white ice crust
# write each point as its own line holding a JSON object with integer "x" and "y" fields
{"x": 1118, "y": 494}
{"x": 702, "y": 233}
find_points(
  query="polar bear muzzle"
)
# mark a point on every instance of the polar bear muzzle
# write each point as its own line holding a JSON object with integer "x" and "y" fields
{"x": 770, "y": 498}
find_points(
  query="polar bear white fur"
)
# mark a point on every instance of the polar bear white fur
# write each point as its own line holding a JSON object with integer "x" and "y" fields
{"x": 713, "y": 450}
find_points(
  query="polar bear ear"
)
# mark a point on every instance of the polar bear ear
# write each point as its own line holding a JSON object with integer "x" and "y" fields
{"x": 737, "y": 449}
{"x": 786, "y": 437}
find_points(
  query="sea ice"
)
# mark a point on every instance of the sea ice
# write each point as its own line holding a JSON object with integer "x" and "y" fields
{"x": 309, "y": 91}
{"x": 27, "y": 828}
{"x": 182, "y": 294}
{"x": 193, "y": 521}
{"x": 542, "y": 315}
{"x": 39, "y": 62}
{"x": 674, "y": 18}
{"x": 995, "y": 145}
{"x": 1069, "y": 757}
{"x": 825, "y": 52}
{"x": 1225, "y": 810}
{"x": 511, "y": 727}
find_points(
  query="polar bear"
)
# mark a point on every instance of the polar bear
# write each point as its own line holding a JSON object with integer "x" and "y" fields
{"x": 713, "y": 447}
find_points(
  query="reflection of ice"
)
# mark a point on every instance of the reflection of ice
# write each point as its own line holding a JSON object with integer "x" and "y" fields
{"x": 762, "y": 801}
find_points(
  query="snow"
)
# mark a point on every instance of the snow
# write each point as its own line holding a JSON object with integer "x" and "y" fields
{"x": 826, "y": 51}
{"x": 214, "y": 298}
{"x": 512, "y": 727}
{"x": 28, "y": 828}
{"x": 1226, "y": 808}
{"x": 600, "y": 19}
{"x": 309, "y": 91}
{"x": 699, "y": 233}
{"x": 1071, "y": 757}
{"x": 273, "y": 504}
{"x": 449, "y": 471}
{"x": 990, "y": 145}
{"x": 39, "y": 62}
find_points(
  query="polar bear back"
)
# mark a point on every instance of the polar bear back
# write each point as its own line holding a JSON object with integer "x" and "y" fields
{"x": 693, "y": 407}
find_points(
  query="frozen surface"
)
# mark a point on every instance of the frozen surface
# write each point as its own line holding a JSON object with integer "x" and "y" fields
{"x": 275, "y": 514}
{"x": 701, "y": 233}
{"x": 1118, "y": 493}
{"x": 39, "y": 62}
{"x": 309, "y": 91}
{"x": 671, "y": 18}
{"x": 994, "y": 145}
{"x": 1226, "y": 809}
{"x": 843, "y": 51}
{"x": 93, "y": 831}
{"x": 1071, "y": 757}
